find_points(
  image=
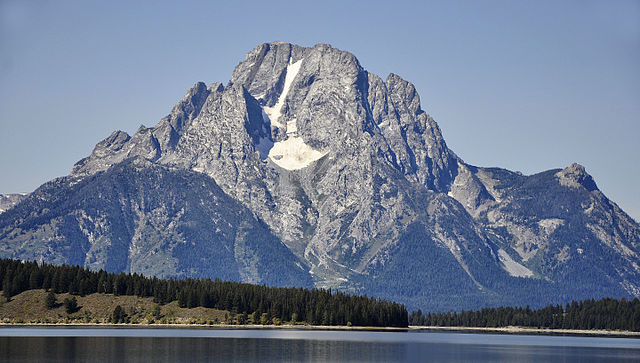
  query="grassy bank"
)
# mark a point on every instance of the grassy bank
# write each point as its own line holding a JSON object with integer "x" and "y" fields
{"x": 30, "y": 307}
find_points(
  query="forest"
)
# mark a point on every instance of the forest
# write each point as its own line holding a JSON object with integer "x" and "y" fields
{"x": 309, "y": 306}
{"x": 606, "y": 314}
{"x": 312, "y": 306}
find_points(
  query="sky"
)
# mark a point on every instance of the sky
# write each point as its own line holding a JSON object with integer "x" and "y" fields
{"x": 524, "y": 85}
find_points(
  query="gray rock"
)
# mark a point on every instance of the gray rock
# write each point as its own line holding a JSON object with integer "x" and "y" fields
{"x": 7, "y": 201}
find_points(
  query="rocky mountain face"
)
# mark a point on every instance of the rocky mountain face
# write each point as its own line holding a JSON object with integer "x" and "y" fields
{"x": 306, "y": 169}
{"x": 9, "y": 200}
{"x": 142, "y": 217}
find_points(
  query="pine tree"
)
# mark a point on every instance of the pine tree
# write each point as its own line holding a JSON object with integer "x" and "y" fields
{"x": 70, "y": 305}
{"x": 50, "y": 300}
{"x": 118, "y": 315}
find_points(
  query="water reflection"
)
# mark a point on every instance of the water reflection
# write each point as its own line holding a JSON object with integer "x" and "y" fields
{"x": 304, "y": 346}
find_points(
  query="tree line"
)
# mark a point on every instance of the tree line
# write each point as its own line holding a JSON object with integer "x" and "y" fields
{"x": 607, "y": 313}
{"x": 312, "y": 306}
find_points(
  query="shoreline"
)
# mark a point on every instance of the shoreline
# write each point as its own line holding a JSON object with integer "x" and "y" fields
{"x": 529, "y": 330}
{"x": 473, "y": 330}
{"x": 204, "y": 326}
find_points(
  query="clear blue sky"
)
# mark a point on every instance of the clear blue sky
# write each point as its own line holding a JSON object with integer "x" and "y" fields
{"x": 525, "y": 85}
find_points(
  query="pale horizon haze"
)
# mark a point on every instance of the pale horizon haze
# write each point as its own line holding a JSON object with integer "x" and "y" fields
{"x": 523, "y": 85}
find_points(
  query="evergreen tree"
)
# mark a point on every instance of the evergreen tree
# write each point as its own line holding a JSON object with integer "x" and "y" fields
{"x": 118, "y": 315}
{"x": 156, "y": 311}
{"x": 50, "y": 300}
{"x": 70, "y": 305}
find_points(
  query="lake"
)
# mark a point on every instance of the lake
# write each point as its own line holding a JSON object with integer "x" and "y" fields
{"x": 96, "y": 344}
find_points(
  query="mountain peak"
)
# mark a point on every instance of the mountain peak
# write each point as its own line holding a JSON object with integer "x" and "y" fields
{"x": 347, "y": 180}
{"x": 575, "y": 176}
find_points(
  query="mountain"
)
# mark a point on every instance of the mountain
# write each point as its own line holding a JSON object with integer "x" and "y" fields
{"x": 9, "y": 200}
{"x": 142, "y": 217}
{"x": 307, "y": 169}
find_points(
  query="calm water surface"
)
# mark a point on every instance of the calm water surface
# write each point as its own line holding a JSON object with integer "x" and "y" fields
{"x": 57, "y": 344}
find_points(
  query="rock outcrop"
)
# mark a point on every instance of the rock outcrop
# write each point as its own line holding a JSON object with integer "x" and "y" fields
{"x": 7, "y": 201}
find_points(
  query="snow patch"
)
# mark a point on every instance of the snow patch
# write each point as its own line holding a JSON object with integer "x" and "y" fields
{"x": 293, "y": 154}
{"x": 511, "y": 266}
{"x": 292, "y": 128}
{"x": 275, "y": 112}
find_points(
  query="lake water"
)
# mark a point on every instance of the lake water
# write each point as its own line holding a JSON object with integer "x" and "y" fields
{"x": 63, "y": 344}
